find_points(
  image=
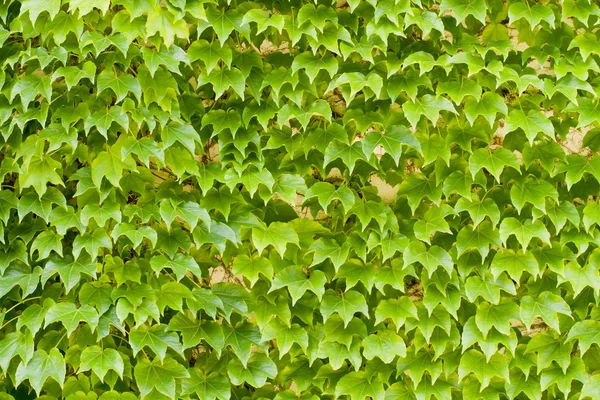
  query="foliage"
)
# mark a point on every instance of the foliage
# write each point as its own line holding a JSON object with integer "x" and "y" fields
{"x": 386, "y": 199}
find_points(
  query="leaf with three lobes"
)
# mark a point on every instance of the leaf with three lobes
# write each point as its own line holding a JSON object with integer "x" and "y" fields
{"x": 478, "y": 210}
{"x": 386, "y": 345}
{"x": 69, "y": 270}
{"x": 100, "y": 361}
{"x": 487, "y": 107}
{"x": 564, "y": 379}
{"x": 547, "y": 306}
{"x": 345, "y": 304}
{"x": 532, "y": 123}
{"x": 286, "y": 335}
{"x": 524, "y": 232}
{"x": 496, "y": 316}
{"x": 278, "y": 235}
{"x": 428, "y": 105}
{"x": 431, "y": 258}
{"x": 91, "y": 242}
{"x": 493, "y": 161}
{"x": 474, "y": 362}
{"x": 514, "y": 263}
{"x": 398, "y": 310}
{"x": 348, "y": 153}
{"x": 533, "y": 191}
{"x": 550, "y": 348}
{"x": 121, "y": 85}
{"x": 258, "y": 369}
{"x": 159, "y": 375}
{"x": 16, "y": 344}
{"x": 359, "y": 386}
{"x": 180, "y": 265}
{"x": 251, "y": 266}
{"x": 70, "y": 315}
{"x": 40, "y": 367}
{"x": 298, "y": 282}
{"x": 39, "y": 173}
{"x": 241, "y": 339}
{"x": 207, "y": 386}
{"x": 155, "y": 337}
{"x": 326, "y": 193}
{"x": 194, "y": 331}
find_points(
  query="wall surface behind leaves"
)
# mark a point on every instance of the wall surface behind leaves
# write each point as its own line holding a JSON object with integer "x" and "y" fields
{"x": 361, "y": 199}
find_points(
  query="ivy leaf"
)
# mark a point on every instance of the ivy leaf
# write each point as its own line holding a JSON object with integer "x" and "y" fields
{"x": 69, "y": 269}
{"x": 514, "y": 263}
{"x": 159, "y": 375}
{"x": 547, "y": 306}
{"x": 533, "y": 14}
{"x": 430, "y": 258}
{"x": 256, "y": 372}
{"x": 70, "y": 315}
{"x": 193, "y": 331}
{"x": 298, "y": 282}
{"x": 398, "y": 310}
{"x": 358, "y": 386}
{"x": 277, "y": 235}
{"x": 182, "y": 133}
{"x": 252, "y": 266}
{"x": 532, "y": 123}
{"x": 17, "y": 343}
{"x": 488, "y": 106}
{"x": 92, "y": 242}
{"x": 326, "y": 193}
{"x": 157, "y": 338}
{"x": 313, "y": 64}
{"x": 429, "y": 106}
{"x": 488, "y": 287}
{"x": 348, "y": 153}
{"x": 345, "y": 304}
{"x": 30, "y": 86}
{"x": 207, "y": 387}
{"x": 462, "y": 9}
{"x": 533, "y": 191}
{"x": 386, "y": 345}
{"x": 524, "y": 232}
{"x": 474, "y": 362}
{"x": 101, "y": 361}
{"x": 43, "y": 365}
{"x": 479, "y": 238}
{"x": 121, "y": 85}
{"x": 493, "y": 161}
{"x": 161, "y": 21}
{"x": 563, "y": 380}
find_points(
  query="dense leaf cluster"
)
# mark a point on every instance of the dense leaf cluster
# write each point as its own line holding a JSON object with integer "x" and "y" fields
{"x": 385, "y": 199}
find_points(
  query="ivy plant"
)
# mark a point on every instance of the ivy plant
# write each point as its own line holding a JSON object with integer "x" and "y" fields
{"x": 296, "y": 199}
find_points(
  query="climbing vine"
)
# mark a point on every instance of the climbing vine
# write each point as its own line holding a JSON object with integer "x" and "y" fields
{"x": 364, "y": 199}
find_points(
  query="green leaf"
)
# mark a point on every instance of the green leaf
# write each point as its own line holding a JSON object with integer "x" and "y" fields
{"x": 297, "y": 282}
{"x": 156, "y": 338}
{"x": 474, "y": 362}
{"x": 358, "y": 386}
{"x": 514, "y": 264}
{"x": 43, "y": 365}
{"x": 256, "y": 372}
{"x": 100, "y": 361}
{"x": 121, "y": 85}
{"x": 493, "y": 161}
{"x": 277, "y": 235}
{"x": 532, "y": 124}
{"x": 546, "y": 306}
{"x": 159, "y": 375}
{"x": 345, "y": 304}
{"x": 70, "y": 315}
